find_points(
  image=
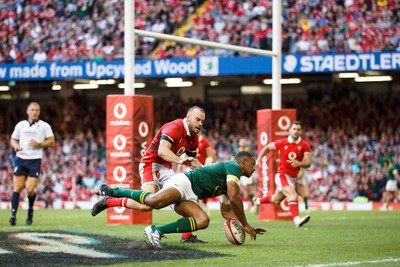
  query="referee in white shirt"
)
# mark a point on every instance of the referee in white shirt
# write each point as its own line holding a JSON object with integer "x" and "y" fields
{"x": 28, "y": 140}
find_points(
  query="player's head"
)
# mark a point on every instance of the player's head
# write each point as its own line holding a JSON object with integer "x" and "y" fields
{"x": 33, "y": 111}
{"x": 296, "y": 129}
{"x": 246, "y": 161}
{"x": 195, "y": 118}
{"x": 242, "y": 143}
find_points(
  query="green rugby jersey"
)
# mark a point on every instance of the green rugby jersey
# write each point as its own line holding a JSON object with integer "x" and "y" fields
{"x": 392, "y": 171}
{"x": 210, "y": 181}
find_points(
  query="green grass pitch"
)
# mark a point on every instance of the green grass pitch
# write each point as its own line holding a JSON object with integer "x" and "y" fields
{"x": 331, "y": 238}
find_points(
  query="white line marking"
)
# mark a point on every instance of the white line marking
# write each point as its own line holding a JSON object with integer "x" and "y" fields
{"x": 3, "y": 251}
{"x": 349, "y": 263}
{"x": 356, "y": 218}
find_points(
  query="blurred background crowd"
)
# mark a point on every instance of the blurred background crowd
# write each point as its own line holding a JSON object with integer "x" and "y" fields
{"x": 93, "y": 30}
{"x": 353, "y": 135}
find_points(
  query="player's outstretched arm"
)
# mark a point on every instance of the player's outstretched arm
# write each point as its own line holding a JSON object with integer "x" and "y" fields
{"x": 264, "y": 152}
{"x": 226, "y": 209}
{"x": 237, "y": 208}
{"x": 165, "y": 152}
{"x": 254, "y": 231}
{"x": 195, "y": 163}
{"x": 236, "y": 201}
{"x": 227, "y": 212}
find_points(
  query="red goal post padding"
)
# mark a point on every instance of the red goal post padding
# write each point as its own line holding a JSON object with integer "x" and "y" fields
{"x": 271, "y": 126}
{"x": 129, "y": 131}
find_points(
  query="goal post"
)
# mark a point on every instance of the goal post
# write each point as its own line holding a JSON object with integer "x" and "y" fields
{"x": 276, "y": 52}
{"x": 122, "y": 121}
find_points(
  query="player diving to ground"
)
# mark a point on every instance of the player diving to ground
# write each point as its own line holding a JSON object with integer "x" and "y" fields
{"x": 183, "y": 191}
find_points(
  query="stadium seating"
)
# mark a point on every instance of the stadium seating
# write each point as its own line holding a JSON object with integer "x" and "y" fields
{"x": 81, "y": 30}
{"x": 44, "y": 31}
{"x": 346, "y": 163}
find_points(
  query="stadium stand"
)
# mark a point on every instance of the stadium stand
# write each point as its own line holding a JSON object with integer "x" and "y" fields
{"x": 347, "y": 163}
{"x": 349, "y": 150}
{"x": 38, "y": 31}
{"x": 81, "y": 30}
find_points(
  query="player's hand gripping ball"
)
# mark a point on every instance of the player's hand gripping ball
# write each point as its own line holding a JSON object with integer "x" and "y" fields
{"x": 233, "y": 232}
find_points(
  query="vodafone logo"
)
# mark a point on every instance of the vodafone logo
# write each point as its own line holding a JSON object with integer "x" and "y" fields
{"x": 119, "y": 210}
{"x": 119, "y": 174}
{"x": 292, "y": 155}
{"x": 284, "y": 205}
{"x": 143, "y": 129}
{"x": 284, "y": 123}
{"x": 119, "y": 142}
{"x": 120, "y": 111}
{"x": 263, "y": 138}
{"x": 180, "y": 151}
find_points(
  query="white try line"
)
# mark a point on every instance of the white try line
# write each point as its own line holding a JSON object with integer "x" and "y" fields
{"x": 357, "y": 218}
{"x": 348, "y": 263}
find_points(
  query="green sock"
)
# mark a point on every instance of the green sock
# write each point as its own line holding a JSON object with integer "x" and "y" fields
{"x": 305, "y": 198}
{"x": 251, "y": 199}
{"x": 180, "y": 226}
{"x": 137, "y": 195}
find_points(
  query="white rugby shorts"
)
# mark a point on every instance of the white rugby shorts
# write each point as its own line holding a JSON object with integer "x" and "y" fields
{"x": 283, "y": 179}
{"x": 154, "y": 173}
{"x": 182, "y": 183}
{"x": 391, "y": 185}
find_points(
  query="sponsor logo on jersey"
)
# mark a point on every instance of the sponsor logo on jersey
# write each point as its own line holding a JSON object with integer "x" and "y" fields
{"x": 292, "y": 155}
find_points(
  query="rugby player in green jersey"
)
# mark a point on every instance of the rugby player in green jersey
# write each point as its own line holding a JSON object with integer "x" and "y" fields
{"x": 392, "y": 178}
{"x": 183, "y": 190}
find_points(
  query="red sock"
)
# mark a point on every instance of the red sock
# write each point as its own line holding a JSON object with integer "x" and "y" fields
{"x": 266, "y": 199}
{"x": 116, "y": 202}
{"x": 187, "y": 234}
{"x": 294, "y": 209}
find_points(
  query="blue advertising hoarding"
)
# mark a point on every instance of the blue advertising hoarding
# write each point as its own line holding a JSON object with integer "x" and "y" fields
{"x": 204, "y": 66}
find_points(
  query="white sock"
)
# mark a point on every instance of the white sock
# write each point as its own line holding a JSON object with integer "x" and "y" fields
{"x": 296, "y": 219}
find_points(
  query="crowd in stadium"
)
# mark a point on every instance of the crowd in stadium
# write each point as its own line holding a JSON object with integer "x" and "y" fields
{"x": 352, "y": 135}
{"x": 85, "y": 30}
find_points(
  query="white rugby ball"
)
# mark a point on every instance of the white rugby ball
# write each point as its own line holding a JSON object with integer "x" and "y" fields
{"x": 233, "y": 232}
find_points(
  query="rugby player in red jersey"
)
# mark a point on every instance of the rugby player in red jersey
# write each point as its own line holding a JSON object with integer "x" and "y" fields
{"x": 171, "y": 141}
{"x": 294, "y": 154}
{"x": 206, "y": 154}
